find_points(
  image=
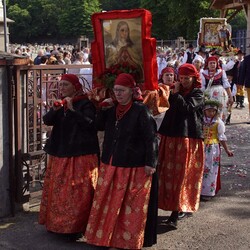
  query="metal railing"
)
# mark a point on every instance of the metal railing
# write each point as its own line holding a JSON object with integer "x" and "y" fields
{"x": 35, "y": 89}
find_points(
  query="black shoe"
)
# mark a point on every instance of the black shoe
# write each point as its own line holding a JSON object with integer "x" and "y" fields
{"x": 171, "y": 224}
{"x": 181, "y": 215}
{"x": 228, "y": 120}
{"x": 73, "y": 237}
{"x": 242, "y": 105}
{"x": 206, "y": 198}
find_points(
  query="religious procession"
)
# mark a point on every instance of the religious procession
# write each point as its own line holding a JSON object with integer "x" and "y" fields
{"x": 124, "y": 142}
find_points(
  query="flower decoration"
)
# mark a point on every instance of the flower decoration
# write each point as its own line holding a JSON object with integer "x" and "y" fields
{"x": 107, "y": 78}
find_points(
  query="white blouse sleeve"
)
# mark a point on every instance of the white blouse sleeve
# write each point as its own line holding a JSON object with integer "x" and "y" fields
{"x": 221, "y": 130}
{"x": 229, "y": 65}
{"x": 203, "y": 81}
{"x": 225, "y": 82}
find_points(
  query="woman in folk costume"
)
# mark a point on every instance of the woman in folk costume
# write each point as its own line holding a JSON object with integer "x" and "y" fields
{"x": 216, "y": 85}
{"x": 181, "y": 150}
{"x": 73, "y": 149}
{"x": 166, "y": 83}
{"x": 214, "y": 136}
{"x": 120, "y": 208}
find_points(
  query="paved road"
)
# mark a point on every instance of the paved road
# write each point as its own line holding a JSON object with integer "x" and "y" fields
{"x": 220, "y": 224}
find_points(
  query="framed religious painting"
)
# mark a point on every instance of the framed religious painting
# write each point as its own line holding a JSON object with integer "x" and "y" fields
{"x": 214, "y": 32}
{"x": 123, "y": 43}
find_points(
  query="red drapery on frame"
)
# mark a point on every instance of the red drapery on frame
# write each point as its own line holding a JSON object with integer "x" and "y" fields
{"x": 148, "y": 44}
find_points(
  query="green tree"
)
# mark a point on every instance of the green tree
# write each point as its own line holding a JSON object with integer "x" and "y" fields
{"x": 76, "y": 20}
{"x": 119, "y": 5}
{"x": 239, "y": 22}
{"x": 173, "y": 18}
{"x": 19, "y": 30}
{"x": 32, "y": 20}
{"x": 47, "y": 19}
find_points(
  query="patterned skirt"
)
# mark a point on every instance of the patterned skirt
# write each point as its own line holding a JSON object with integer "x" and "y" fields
{"x": 180, "y": 173}
{"x": 211, "y": 170}
{"x": 68, "y": 193}
{"x": 119, "y": 212}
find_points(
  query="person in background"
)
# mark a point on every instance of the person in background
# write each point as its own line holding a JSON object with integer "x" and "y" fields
{"x": 60, "y": 59}
{"x": 44, "y": 60}
{"x": 230, "y": 77}
{"x": 78, "y": 61}
{"x": 52, "y": 60}
{"x": 167, "y": 77}
{"x": 67, "y": 57}
{"x": 189, "y": 54}
{"x": 78, "y": 58}
{"x": 73, "y": 149}
{"x": 123, "y": 204}
{"x": 85, "y": 56}
{"x": 214, "y": 136}
{"x": 225, "y": 65}
{"x": 202, "y": 52}
{"x": 244, "y": 78}
{"x": 198, "y": 62}
{"x": 181, "y": 150}
{"x": 166, "y": 83}
{"x": 161, "y": 61}
{"x": 215, "y": 84}
{"x": 47, "y": 51}
{"x": 37, "y": 59}
{"x": 240, "y": 95}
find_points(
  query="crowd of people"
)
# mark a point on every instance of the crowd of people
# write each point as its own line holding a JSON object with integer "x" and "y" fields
{"x": 53, "y": 54}
{"x": 110, "y": 196}
{"x": 229, "y": 68}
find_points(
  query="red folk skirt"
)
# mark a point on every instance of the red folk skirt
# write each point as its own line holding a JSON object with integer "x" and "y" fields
{"x": 68, "y": 193}
{"x": 180, "y": 172}
{"x": 119, "y": 212}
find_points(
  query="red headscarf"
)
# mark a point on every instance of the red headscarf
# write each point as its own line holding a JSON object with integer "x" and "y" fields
{"x": 72, "y": 79}
{"x": 166, "y": 70}
{"x": 188, "y": 69}
{"x": 79, "y": 95}
{"x": 210, "y": 59}
{"x": 125, "y": 80}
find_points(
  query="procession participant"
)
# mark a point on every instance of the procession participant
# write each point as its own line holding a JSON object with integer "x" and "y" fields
{"x": 120, "y": 208}
{"x": 181, "y": 155}
{"x": 240, "y": 94}
{"x": 215, "y": 84}
{"x": 214, "y": 136}
{"x": 166, "y": 83}
{"x": 244, "y": 79}
{"x": 73, "y": 149}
